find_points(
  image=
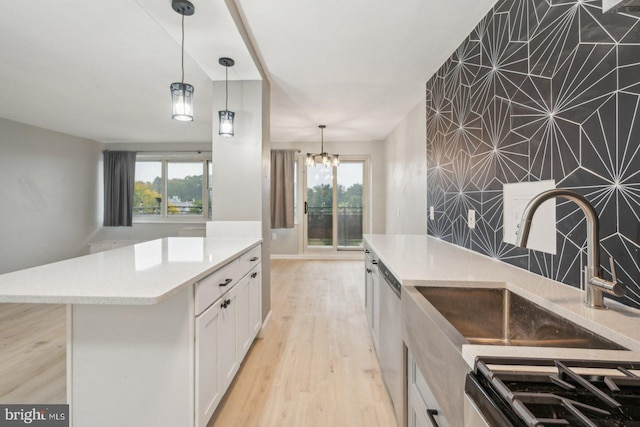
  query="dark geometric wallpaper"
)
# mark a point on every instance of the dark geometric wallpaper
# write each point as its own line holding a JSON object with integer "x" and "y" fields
{"x": 541, "y": 89}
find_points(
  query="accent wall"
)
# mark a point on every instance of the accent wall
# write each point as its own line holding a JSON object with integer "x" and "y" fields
{"x": 540, "y": 89}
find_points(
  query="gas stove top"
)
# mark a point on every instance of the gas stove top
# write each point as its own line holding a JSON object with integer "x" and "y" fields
{"x": 543, "y": 392}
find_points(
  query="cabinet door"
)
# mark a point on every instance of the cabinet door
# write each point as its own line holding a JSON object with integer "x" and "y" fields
{"x": 255, "y": 302}
{"x": 368, "y": 307}
{"x": 227, "y": 348}
{"x": 375, "y": 307}
{"x": 422, "y": 407}
{"x": 208, "y": 391}
{"x": 243, "y": 337}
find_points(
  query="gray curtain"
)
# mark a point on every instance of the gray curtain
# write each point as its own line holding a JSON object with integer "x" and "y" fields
{"x": 119, "y": 179}
{"x": 282, "y": 169}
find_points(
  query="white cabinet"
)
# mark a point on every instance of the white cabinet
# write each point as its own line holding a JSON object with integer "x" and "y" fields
{"x": 371, "y": 295}
{"x": 244, "y": 336}
{"x": 225, "y": 329}
{"x": 422, "y": 407}
{"x": 368, "y": 301}
{"x": 249, "y": 310}
{"x": 255, "y": 301}
{"x": 209, "y": 390}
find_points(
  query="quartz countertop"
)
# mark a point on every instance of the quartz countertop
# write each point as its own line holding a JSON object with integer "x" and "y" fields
{"x": 420, "y": 260}
{"x": 143, "y": 274}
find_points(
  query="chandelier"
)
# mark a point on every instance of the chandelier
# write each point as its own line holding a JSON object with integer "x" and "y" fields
{"x": 327, "y": 160}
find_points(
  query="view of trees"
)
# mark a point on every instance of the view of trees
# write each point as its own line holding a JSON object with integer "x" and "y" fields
{"x": 321, "y": 195}
{"x": 146, "y": 195}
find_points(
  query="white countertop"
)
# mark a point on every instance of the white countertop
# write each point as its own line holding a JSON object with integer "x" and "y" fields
{"x": 419, "y": 260}
{"x": 142, "y": 274}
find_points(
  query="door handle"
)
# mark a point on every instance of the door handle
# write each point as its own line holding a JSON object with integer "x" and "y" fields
{"x": 306, "y": 208}
{"x": 254, "y": 275}
{"x": 226, "y": 282}
{"x": 431, "y": 413}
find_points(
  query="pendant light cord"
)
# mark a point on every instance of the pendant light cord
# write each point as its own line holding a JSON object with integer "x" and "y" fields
{"x": 322, "y": 140}
{"x": 226, "y": 87}
{"x": 182, "y": 48}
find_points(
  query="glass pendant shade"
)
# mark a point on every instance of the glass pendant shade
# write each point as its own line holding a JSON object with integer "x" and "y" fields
{"x": 335, "y": 161}
{"x": 325, "y": 160}
{"x": 182, "y": 101}
{"x": 311, "y": 161}
{"x": 226, "y": 123}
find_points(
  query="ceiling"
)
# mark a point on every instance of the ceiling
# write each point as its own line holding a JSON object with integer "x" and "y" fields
{"x": 101, "y": 69}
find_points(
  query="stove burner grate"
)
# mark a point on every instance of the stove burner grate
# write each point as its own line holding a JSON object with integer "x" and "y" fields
{"x": 565, "y": 397}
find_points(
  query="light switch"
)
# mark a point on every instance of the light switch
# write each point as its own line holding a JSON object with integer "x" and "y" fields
{"x": 471, "y": 219}
{"x": 432, "y": 214}
{"x": 274, "y": 236}
{"x": 543, "y": 227}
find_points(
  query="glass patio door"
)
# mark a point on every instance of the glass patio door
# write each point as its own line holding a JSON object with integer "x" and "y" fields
{"x": 335, "y": 208}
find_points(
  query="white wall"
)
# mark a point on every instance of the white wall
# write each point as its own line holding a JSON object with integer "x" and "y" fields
{"x": 287, "y": 240}
{"x": 241, "y": 164}
{"x": 237, "y": 161}
{"x": 50, "y": 195}
{"x": 406, "y": 175}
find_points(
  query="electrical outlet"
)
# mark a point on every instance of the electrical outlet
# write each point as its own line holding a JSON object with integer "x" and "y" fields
{"x": 274, "y": 236}
{"x": 471, "y": 219}
{"x": 432, "y": 214}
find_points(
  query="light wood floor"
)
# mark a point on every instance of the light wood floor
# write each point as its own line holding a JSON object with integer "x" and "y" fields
{"x": 314, "y": 364}
{"x": 32, "y": 353}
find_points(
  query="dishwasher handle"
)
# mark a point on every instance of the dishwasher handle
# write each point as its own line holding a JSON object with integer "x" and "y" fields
{"x": 431, "y": 413}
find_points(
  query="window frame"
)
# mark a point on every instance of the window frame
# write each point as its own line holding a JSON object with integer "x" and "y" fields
{"x": 165, "y": 159}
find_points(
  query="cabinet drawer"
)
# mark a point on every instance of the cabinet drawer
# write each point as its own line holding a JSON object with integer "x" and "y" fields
{"x": 250, "y": 259}
{"x": 217, "y": 283}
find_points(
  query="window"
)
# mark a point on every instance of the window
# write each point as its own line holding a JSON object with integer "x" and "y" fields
{"x": 175, "y": 188}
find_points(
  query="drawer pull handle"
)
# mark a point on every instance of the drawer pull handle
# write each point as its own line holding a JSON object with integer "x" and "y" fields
{"x": 374, "y": 262}
{"x": 226, "y": 282}
{"x": 366, "y": 251}
{"x": 255, "y": 258}
{"x": 431, "y": 413}
{"x": 254, "y": 275}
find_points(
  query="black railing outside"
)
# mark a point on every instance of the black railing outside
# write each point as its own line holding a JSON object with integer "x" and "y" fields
{"x": 150, "y": 210}
{"x": 320, "y": 226}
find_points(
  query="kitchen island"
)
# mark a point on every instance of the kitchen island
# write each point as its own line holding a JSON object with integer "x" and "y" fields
{"x": 134, "y": 356}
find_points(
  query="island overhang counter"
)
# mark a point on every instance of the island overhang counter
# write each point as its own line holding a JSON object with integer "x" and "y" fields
{"x": 132, "y": 312}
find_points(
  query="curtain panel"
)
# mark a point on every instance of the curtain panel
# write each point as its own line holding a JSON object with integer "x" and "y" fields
{"x": 282, "y": 197}
{"x": 119, "y": 180}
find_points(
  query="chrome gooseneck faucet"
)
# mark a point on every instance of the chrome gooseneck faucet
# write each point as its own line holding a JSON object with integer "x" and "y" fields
{"x": 594, "y": 283}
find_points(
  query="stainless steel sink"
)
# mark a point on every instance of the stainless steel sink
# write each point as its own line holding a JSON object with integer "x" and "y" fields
{"x": 500, "y": 317}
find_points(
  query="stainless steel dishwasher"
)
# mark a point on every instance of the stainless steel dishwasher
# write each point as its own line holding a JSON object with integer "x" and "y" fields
{"x": 390, "y": 347}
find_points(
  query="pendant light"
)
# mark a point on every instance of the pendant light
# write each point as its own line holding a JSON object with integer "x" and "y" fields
{"x": 226, "y": 116}
{"x": 182, "y": 93}
{"x": 327, "y": 160}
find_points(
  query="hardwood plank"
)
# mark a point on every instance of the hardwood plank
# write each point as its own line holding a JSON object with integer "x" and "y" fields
{"x": 315, "y": 364}
{"x": 32, "y": 353}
